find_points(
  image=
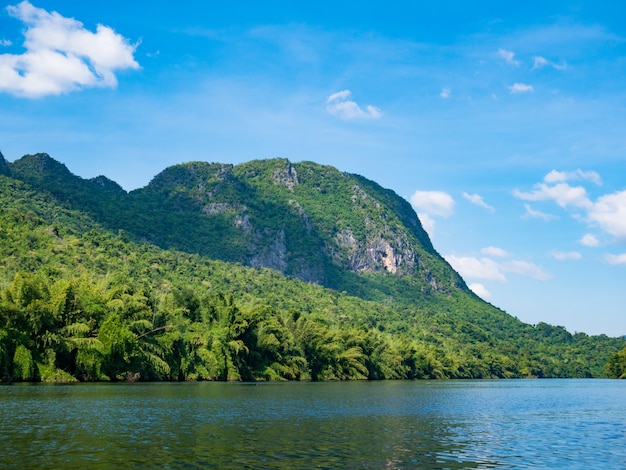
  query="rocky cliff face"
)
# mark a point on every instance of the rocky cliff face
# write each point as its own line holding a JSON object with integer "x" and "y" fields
{"x": 356, "y": 225}
{"x": 305, "y": 220}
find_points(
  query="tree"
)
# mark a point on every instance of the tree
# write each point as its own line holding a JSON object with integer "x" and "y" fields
{"x": 616, "y": 367}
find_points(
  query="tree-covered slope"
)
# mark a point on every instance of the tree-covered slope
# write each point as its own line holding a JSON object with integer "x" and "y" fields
{"x": 4, "y": 166}
{"x": 77, "y": 295}
{"x": 304, "y": 220}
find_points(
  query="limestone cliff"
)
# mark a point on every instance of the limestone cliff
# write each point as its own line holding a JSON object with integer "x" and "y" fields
{"x": 305, "y": 220}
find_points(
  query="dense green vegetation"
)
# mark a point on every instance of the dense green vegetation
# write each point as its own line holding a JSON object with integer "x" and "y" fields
{"x": 81, "y": 300}
{"x": 616, "y": 367}
{"x": 262, "y": 213}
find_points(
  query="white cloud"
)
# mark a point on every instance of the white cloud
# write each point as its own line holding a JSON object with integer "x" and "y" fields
{"x": 486, "y": 268}
{"x": 563, "y": 194}
{"x": 428, "y": 223}
{"x": 565, "y": 256}
{"x": 5, "y": 42}
{"x": 609, "y": 212}
{"x": 589, "y": 240}
{"x": 616, "y": 259}
{"x": 62, "y": 56}
{"x": 339, "y": 96}
{"x": 480, "y": 290}
{"x": 339, "y": 104}
{"x": 494, "y": 251}
{"x": 446, "y": 93}
{"x": 562, "y": 176}
{"x": 434, "y": 203}
{"x": 508, "y": 56}
{"x": 535, "y": 214}
{"x": 540, "y": 62}
{"x": 525, "y": 268}
{"x": 478, "y": 200}
{"x": 476, "y": 268}
{"x": 518, "y": 88}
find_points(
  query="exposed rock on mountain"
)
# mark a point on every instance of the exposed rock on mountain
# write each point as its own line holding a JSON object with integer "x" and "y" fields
{"x": 305, "y": 220}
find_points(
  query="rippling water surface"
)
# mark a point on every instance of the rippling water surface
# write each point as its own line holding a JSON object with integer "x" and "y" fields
{"x": 456, "y": 424}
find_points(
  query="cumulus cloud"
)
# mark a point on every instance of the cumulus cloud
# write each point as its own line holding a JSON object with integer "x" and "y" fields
{"x": 589, "y": 240}
{"x": 476, "y": 268}
{"x": 494, "y": 251}
{"x": 609, "y": 212}
{"x": 540, "y": 62}
{"x": 518, "y": 88}
{"x": 566, "y": 256}
{"x": 339, "y": 104}
{"x": 526, "y": 268}
{"x": 535, "y": 214}
{"x": 488, "y": 269}
{"x": 508, "y": 56}
{"x": 446, "y": 93}
{"x": 433, "y": 203}
{"x": 562, "y": 193}
{"x": 430, "y": 204}
{"x": 478, "y": 200}
{"x": 615, "y": 259}
{"x": 562, "y": 176}
{"x": 480, "y": 290}
{"x": 61, "y": 55}
{"x": 428, "y": 223}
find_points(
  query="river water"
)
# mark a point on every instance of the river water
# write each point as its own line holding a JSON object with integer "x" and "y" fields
{"x": 404, "y": 424}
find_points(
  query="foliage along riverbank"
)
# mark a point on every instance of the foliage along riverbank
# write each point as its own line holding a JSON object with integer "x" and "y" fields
{"x": 114, "y": 329}
{"x": 96, "y": 307}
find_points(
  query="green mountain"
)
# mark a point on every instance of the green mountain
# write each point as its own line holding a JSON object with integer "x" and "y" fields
{"x": 4, "y": 166}
{"x": 305, "y": 220}
{"x": 262, "y": 271}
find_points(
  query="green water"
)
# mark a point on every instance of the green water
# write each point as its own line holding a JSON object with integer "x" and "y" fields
{"x": 456, "y": 424}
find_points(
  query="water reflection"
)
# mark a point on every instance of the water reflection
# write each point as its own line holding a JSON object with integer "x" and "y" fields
{"x": 521, "y": 424}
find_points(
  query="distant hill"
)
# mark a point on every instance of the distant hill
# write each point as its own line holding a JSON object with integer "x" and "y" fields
{"x": 270, "y": 265}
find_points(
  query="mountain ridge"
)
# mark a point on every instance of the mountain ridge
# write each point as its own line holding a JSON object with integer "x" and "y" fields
{"x": 306, "y": 220}
{"x": 90, "y": 269}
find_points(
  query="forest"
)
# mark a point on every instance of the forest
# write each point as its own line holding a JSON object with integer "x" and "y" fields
{"x": 80, "y": 301}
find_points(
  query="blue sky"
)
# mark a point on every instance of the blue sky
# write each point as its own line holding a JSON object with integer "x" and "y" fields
{"x": 505, "y": 126}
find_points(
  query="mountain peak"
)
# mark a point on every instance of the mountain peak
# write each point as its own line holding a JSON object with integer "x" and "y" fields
{"x": 107, "y": 184}
{"x": 306, "y": 220}
{"x": 39, "y": 166}
{"x": 189, "y": 174}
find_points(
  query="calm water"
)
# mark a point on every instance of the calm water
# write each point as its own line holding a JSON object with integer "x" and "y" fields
{"x": 457, "y": 424}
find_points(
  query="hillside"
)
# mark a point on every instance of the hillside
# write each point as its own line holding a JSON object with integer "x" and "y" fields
{"x": 304, "y": 220}
{"x": 341, "y": 282}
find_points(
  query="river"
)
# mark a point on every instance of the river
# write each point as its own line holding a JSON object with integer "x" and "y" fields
{"x": 405, "y": 424}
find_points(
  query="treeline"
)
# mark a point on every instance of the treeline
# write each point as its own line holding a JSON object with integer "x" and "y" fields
{"x": 114, "y": 329}
{"x": 616, "y": 367}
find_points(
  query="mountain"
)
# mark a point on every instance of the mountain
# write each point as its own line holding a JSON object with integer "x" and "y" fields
{"x": 305, "y": 220}
{"x": 4, "y": 166}
{"x": 265, "y": 270}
